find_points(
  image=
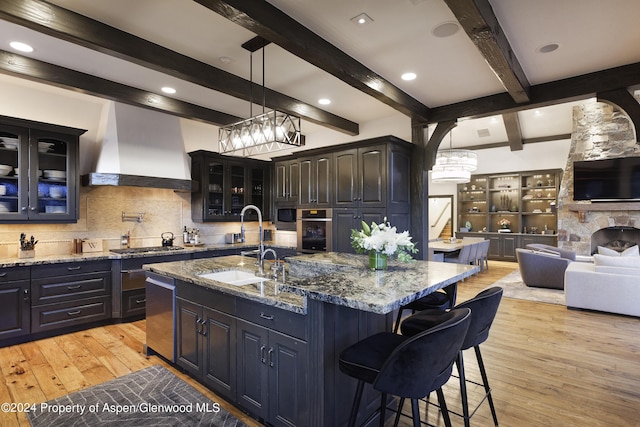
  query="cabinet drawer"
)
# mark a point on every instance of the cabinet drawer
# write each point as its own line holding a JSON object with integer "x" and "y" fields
{"x": 137, "y": 263}
{"x": 133, "y": 302}
{"x": 55, "y": 316}
{"x": 207, "y": 297}
{"x": 9, "y": 274}
{"x": 284, "y": 321}
{"x": 68, "y": 268}
{"x": 58, "y": 289}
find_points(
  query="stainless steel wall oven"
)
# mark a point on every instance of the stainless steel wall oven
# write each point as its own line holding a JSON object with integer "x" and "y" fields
{"x": 314, "y": 230}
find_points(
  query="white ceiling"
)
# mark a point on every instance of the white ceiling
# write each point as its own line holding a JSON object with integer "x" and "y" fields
{"x": 592, "y": 35}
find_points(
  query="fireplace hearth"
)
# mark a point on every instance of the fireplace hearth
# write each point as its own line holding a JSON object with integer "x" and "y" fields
{"x": 617, "y": 238}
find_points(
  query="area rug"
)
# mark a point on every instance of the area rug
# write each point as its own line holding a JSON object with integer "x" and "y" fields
{"x": 150, "y": 397}
{"x": 514, "y": 287}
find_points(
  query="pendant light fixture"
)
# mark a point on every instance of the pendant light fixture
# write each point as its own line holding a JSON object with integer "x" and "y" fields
{"x": 454, "y": 166}
{"x": 264, "y": 133}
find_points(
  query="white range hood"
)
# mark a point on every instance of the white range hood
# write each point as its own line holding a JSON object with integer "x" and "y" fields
{"x": 142, "y": 148}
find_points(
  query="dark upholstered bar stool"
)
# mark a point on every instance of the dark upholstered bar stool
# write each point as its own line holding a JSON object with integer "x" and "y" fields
{"x": 408, "y": 367}
{"x": 484, "y": 307}
{"x": 442, "y": 299}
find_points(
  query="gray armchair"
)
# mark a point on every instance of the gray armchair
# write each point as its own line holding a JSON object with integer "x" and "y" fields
{"x": 542, "y": 269}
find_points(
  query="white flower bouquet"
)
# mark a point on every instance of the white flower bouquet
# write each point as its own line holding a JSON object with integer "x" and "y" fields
{"x": 383, "y": 238}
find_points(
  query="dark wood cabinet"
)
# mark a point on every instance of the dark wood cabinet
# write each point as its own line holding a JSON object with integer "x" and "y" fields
{"x": 347, "y": 219}
{"x": 251, "y": 354}
{"x": 42, "y": 184}
{"x": 272, "y": 375}
{"x": 206, "y": 346}
{"x": 287, "y": 177}
{"x": 226, "y": 185}
{"x": 315, "y": 181}
{"x": 70, "y": 294}
{"x": 361, "y": 176}
{"x": 15, "y": 304}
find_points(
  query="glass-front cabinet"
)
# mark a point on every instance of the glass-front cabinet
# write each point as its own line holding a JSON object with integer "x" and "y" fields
{"x": 227, "y": 185}
{"x": 38, "y": 173}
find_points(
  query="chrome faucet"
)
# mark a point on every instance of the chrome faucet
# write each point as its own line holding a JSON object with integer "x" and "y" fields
{"x": 242, "y": 238}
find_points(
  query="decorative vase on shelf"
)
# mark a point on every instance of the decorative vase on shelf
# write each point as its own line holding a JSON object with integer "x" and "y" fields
{"x": 377, "y": 260}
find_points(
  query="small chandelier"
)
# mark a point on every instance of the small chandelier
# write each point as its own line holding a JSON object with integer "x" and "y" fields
{"x": 267, "y": 132}
{"x": 454, "y": 166}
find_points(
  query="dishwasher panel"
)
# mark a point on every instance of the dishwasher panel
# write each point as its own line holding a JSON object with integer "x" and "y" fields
{"x": 160, "y": 296}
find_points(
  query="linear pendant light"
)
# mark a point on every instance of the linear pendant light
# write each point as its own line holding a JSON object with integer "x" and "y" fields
{"x": 267, "y": 132}
{"x": 454, "y": 166}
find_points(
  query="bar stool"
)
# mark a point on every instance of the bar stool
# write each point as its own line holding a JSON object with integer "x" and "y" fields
{"x": 408, "y": 367}
{"x": 484, "y": 307}
{"x": 442, "y": 299}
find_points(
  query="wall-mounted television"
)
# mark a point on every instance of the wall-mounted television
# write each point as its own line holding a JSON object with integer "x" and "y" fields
{"x": 607, "y": 179}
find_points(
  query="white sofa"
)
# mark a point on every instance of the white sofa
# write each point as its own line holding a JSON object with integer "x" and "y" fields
{"x": 610, "y": 284}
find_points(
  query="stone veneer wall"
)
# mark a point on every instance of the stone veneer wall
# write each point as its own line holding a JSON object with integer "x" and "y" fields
{"x": 599, "y": 132}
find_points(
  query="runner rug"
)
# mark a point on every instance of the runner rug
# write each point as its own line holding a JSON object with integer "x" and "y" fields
{"x": 150, "y": 397}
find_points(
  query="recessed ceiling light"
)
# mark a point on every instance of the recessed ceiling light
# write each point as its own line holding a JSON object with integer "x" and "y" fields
{"x": 22, "y": 47}
{"x": 548, "y": 48}
{"x": 324, "y": 101}
{"x": 168, "y": 90}
{"x": 537, "y": 113}
{"x": 446, "y": 29}
{"x": 362, "y": 19}
{"x": 225, "y": 59}
{"x": 409, "y": 76}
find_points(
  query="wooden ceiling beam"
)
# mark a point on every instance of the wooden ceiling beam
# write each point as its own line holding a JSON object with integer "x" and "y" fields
{"x": 512, "y": 126}
{"x": 545, "y": 94}
{"x": 67, "y": 25}
{"x": 623, "y": 99}
{"x": 481, "y": 25}
{"x": 267, "y": 21}
{"x": 43, "y": 72}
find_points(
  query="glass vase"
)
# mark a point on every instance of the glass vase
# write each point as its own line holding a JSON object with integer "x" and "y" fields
{"x": 377, "y": 260}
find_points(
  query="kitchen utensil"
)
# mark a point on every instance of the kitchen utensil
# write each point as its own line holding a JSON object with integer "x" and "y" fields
{"x": 167, "y": 238}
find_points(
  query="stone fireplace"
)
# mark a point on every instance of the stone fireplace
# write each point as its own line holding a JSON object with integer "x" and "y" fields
{"x": 599, "y": 131}
{"x": 617, "y": 238}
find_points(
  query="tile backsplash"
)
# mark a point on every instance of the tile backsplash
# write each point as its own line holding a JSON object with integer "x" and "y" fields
{"x": 101, "y": 211}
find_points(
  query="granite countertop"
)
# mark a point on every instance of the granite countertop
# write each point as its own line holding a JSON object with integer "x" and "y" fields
{"x": 269, "y": 293}
{"x": 93, "y": 256}
{"x": 344, "y": 279}
{"x": 334, "y": 278}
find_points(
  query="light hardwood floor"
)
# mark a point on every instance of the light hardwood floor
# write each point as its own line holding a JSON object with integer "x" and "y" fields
{"x": 548, "y": 366}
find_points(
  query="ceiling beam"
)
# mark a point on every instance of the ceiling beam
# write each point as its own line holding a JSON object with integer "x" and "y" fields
{"x": 482, "y": 27}
{"x": 441, "y": 130}
{"x": 556, "y": 92}
{"x": 67, "y": 25}
{"x": 43, "y": 72}
{"x": 622, "y": 99}
{"x": 267, "y": 21}
{"x": 524, "y": 142}
{"x": 512, "y": 126}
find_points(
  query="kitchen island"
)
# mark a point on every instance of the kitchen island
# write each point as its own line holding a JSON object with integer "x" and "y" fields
{"x": 272, "y": 348}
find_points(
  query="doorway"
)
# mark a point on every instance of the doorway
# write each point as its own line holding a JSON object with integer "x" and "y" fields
{"x": 440, "y": 217}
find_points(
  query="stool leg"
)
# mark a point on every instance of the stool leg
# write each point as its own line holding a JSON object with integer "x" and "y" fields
{"x": 397, "y": 325}
{"x": 443, "y": 408}
{"x": 485, "y": 381}
{"x": 400, "y": 405}
{"x": 356, "y": 404}
{"x": 383, "y": 408}
{"x": 415, "y": 412}
{"x": 463, "y": 389}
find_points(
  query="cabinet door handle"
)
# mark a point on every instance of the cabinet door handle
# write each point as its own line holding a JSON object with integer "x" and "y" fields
{"x": 271, "y": 357}
{"x": 3, "y": 274}
{"x": 74, "y": 268}
{"x": 263, "y": 359}
{"x": 141, "y": 301}
{"x": 74, "y": 313}
{"x": 71, "y": 288}
{"x": 266, "y": 316}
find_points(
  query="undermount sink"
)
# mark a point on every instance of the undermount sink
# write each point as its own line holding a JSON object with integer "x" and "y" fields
{"x": 234, "y": 277}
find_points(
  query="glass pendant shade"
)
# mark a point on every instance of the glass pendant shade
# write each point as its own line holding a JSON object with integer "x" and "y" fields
{"x": 454, "y": 166}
